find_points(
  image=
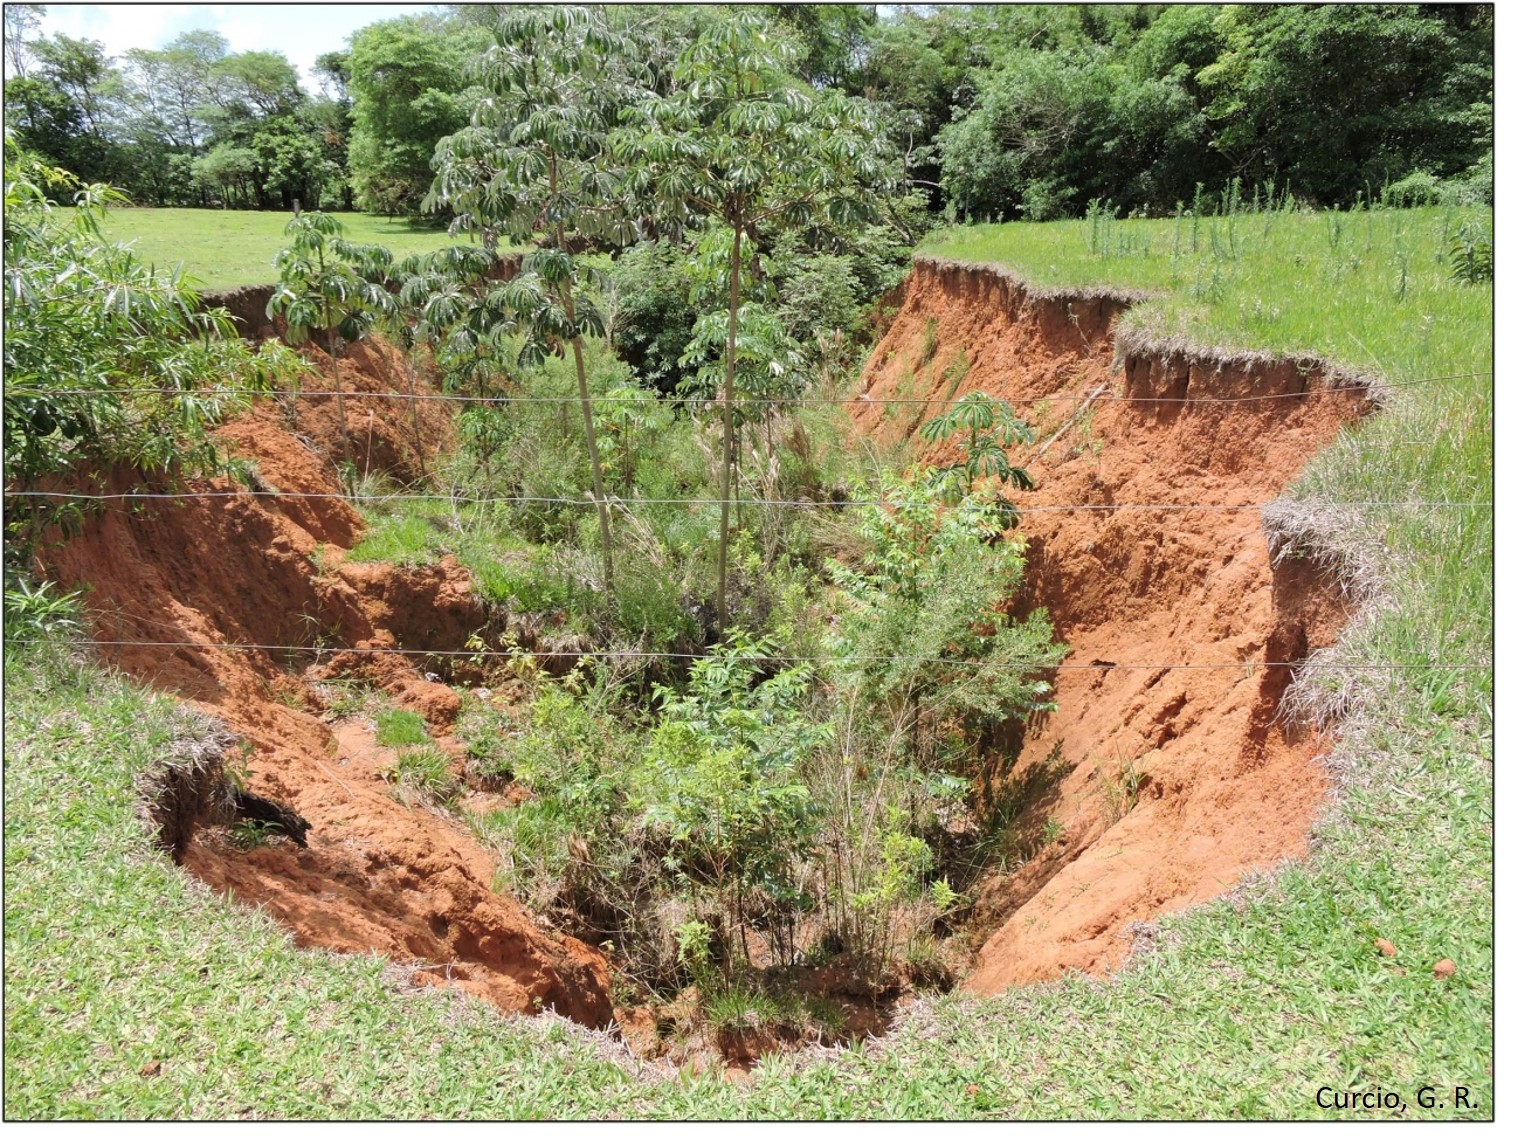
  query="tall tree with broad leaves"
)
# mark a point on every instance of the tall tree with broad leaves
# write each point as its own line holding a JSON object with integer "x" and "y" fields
{"x": 741, "y": 143}
{"x": 534, "y": 165}
{"x": 330, "y": 285}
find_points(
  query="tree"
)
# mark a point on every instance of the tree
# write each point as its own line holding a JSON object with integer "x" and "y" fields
{"x": 534, "y": 164}
{"x": 1335, "y": 98}
{"x": 409, "y": 80}
{"x": 85, "y": 318}
{"x": 457, "y": 303}
{"x": 233, "y": 170}
{"x": 292, "y": 163}
{"x": 187, "y": 78}
{"x": 833, "y": 39}
{"x": 20, "y": 20}
{"x": 255, "y": 84}
{"x": 738, "y": 143}
{"x": 83, "y": 71}
{"x": 333, "y": 286}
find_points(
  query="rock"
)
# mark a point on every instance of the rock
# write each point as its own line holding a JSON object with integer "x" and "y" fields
{"x": 1444, "y": 969}
{"x": 1385, "y": 947}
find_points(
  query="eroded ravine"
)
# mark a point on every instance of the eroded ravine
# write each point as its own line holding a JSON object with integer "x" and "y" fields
{"x": 1160, "y": 786}
{"x": 1220, "y": 788}
{"x": 377, "y": 875}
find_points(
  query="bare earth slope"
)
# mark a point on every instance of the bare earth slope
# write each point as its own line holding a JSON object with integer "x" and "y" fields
{"x": 1220, "y": 788}
{"x": 248, "y": 570}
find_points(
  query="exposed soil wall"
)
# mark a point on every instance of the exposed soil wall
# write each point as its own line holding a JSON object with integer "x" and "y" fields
{"x": 1221, "y": 788}
{"x": 1150, "y": 788}
{"x": 377, "y": 875}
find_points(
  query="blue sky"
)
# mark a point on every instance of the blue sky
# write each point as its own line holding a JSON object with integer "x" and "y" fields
{"x": 301, "y": 32}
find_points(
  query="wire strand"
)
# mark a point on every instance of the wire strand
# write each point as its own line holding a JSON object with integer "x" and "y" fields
{"x": 847, "y": 400}
{"x": 1100, "y": 665}
{"x": 788, "y": 503}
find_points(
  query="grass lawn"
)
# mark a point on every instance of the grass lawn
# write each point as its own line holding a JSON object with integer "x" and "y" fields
{"x": 225, "y": 248}
{"x": 133, "y": 991}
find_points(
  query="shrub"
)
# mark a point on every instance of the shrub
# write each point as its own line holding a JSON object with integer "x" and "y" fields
{"x": 653, "y": 316}
{"x": 1418, "y": 188}
{"x": 720, "y": 784}
{"x": 84, "y": 315}
{"x": 924, "y": 637}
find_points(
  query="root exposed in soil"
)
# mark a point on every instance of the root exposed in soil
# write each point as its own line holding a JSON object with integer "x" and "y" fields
{"x": 1169, "y": 784}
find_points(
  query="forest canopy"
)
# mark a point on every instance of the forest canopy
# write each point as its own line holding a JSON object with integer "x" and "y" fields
{"x": 998, "y": 112}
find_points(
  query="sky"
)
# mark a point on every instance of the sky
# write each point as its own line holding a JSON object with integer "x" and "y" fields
{"x": 301, "y": 32}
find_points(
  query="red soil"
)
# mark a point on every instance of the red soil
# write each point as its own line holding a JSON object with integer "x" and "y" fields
{"x": 377, "y": 875}
{"x": 1222, "y": 789}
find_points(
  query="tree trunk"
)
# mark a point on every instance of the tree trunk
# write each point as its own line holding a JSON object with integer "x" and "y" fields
{"x": 334, "y": 361}
{"x": 589, "y": 437}
{"x": 345, "y": 433}
{"x": 727, "y": 470}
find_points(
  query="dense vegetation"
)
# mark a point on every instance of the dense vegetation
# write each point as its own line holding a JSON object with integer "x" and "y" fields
{"x": 698, "y": 761}
{"x": 775, "y": 746}
{"x": 1243, "y": 1009}
{"x": 998, "y": 112}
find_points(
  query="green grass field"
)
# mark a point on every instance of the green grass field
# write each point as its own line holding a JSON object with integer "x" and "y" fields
{"x": 225, "y": 248}
{"x": 1244, "y": 1008}
{"x": 1371, "y": 291}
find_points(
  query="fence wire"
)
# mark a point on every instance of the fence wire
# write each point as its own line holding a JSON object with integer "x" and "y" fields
{"x": 787, "y": 503}
{"x": 739, "y": 401}
{"x": 768, "y": 658}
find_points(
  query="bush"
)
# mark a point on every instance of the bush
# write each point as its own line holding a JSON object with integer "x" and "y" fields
{"x": 653, "y": 317}
{"x": 924, "y": 641}
{"x": 1418, "y": 188}
{"x": 721, "y": 786}
{"x": 82, "y": 314}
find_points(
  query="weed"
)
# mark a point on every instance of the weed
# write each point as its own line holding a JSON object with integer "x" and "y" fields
{"x": 955, "y": 372}
{"x": 929, "y": 342}
{"x": 398, "y": 728}
{"x": 1118, "y": 788}
{"x": 345, "y": 699}
{"x": 488, "y": 735}
{"x": 37, "y": 611}
{"x": 1471, "y": 254}
{"x": 248, "y": 834}
{"x": 425, "y": 771}
{"x": 1084, "y": 438}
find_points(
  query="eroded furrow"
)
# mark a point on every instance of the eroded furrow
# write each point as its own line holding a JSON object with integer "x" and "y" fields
{"x": 1155, "y": 784}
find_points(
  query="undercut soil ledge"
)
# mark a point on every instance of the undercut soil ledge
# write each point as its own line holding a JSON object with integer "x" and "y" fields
{"x": 1149, "y": 789}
